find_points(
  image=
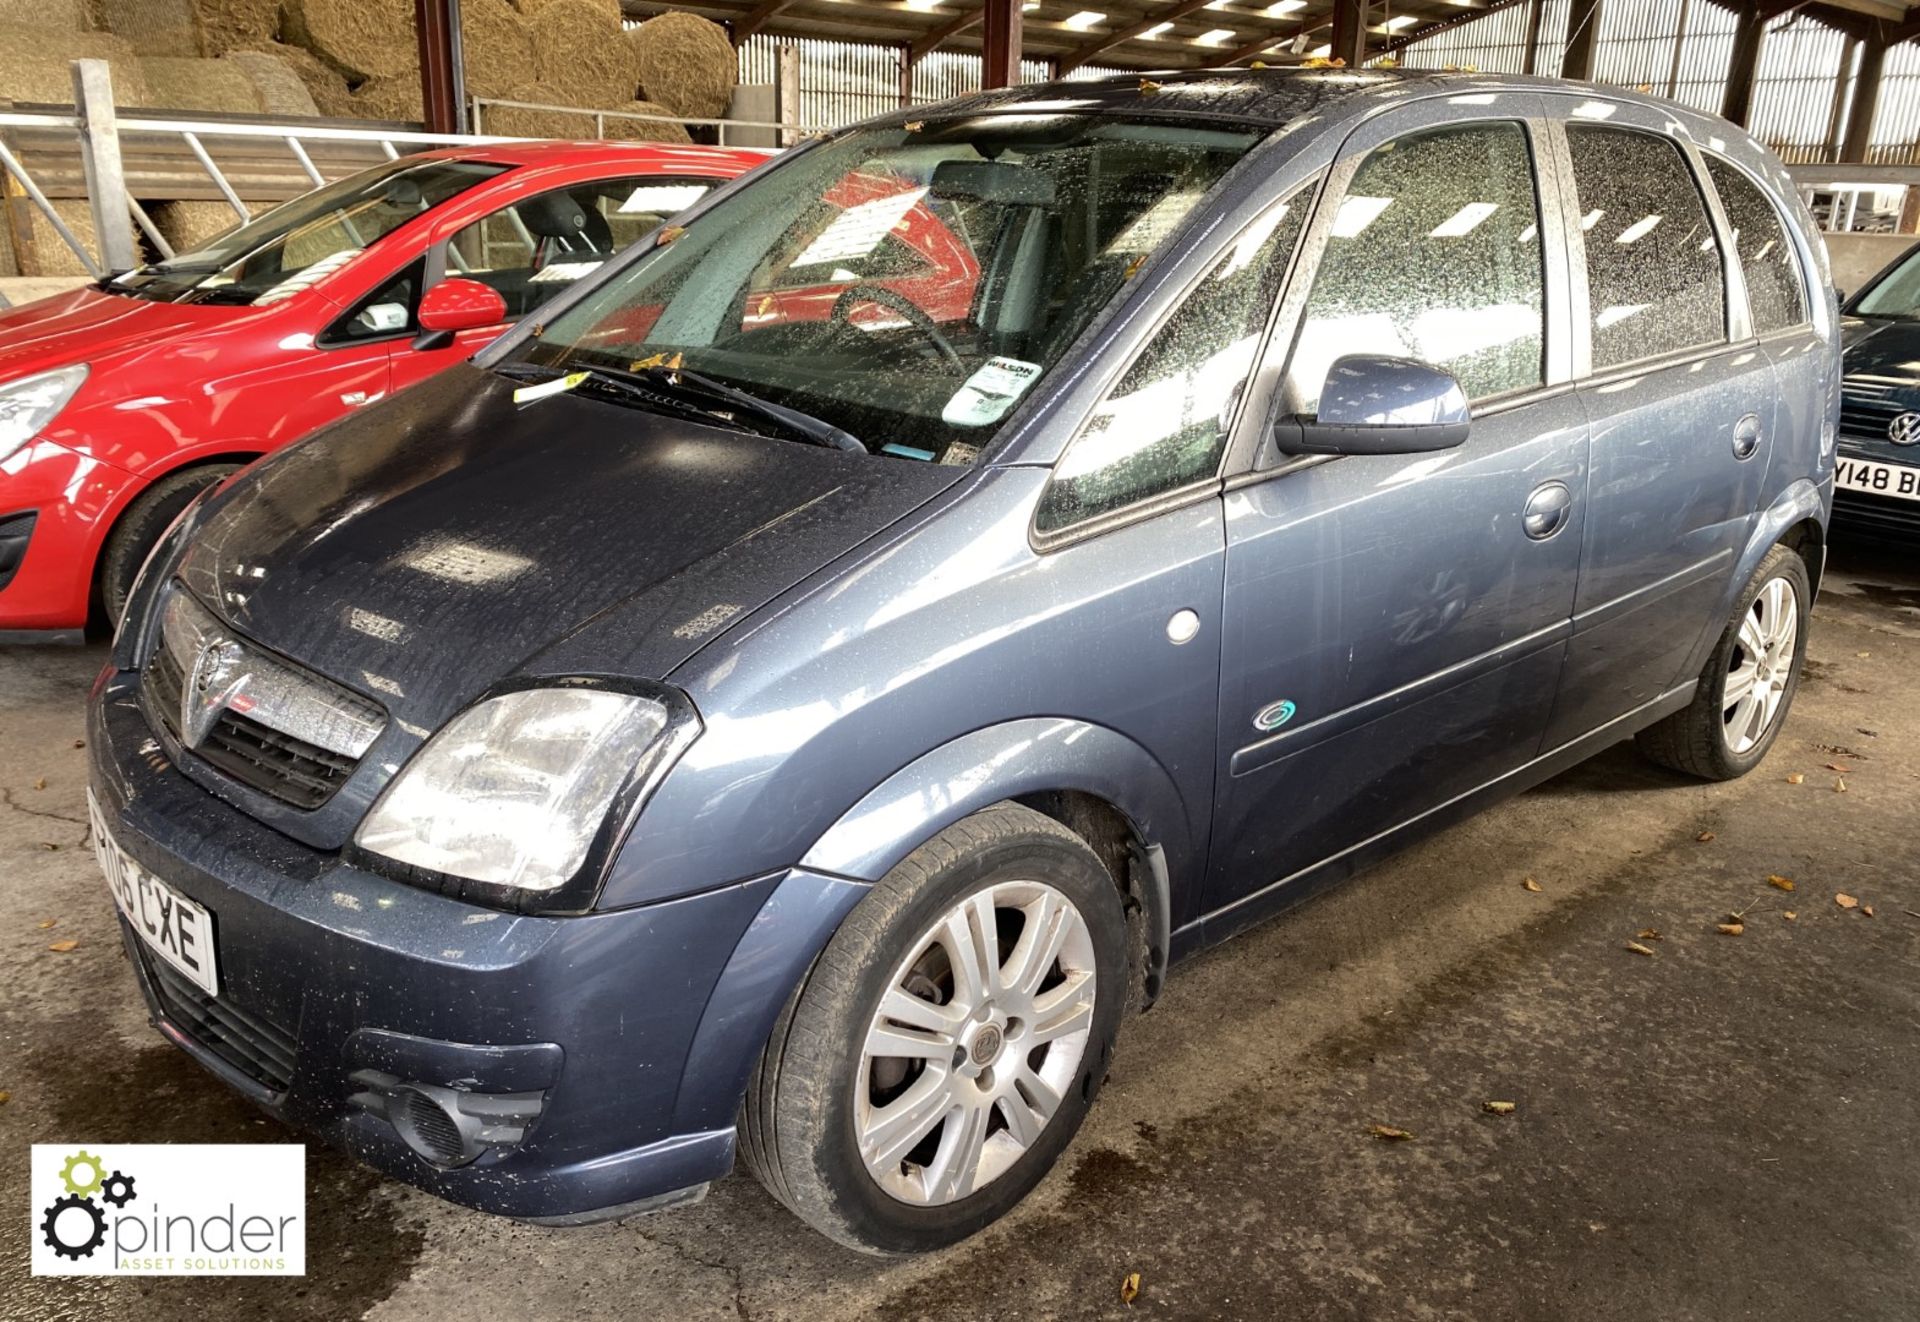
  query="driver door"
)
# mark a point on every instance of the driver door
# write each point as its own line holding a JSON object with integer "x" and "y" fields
{"x": 1394, "y": 624}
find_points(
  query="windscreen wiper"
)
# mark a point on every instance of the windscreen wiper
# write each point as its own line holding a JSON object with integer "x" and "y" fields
{"x": 673, "y": 399}
{"x": 806, "y": 427}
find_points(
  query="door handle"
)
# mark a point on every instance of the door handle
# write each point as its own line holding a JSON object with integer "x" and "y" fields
{"x": 1746, "y": 436}
{"x": 1547, "y": 510}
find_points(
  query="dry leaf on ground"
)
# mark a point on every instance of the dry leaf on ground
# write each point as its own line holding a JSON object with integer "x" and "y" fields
{"x": 1795, "y": 778}
{"x": 1835, "y": 766}
{"x": 45, "y": 923}
{"x": 1789, "y": 914}
{"x": 5, "y": 1096}
{"x": 1129, "y": 1287}
{"x": 62, "y": 947}
{"x": 49, "y": 846}
{"x": 1497, "y": 1108}
{"x": 1650, "y": 934}
{"x": 1731, "y": 929}
{"x": 1530, "y": 885}
{"x": 1779, "y": 882}
{"x": 1846, "y": 901}
{"x": 1840, "y": 785}
{"x": 79, "y": 743}
{"x": 40, "y": 782}
{"x": 1389, "y": 1133}
{"x": 1638, "y": 949}
{"x": 1704, "y": 836}
{"x": 1867, "y": 909}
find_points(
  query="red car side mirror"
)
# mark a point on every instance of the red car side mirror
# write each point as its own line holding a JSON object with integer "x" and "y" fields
{"x": 456, "y": 305}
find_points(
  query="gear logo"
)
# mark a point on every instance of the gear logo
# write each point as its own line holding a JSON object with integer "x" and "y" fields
{"x": 74, "y": 1226}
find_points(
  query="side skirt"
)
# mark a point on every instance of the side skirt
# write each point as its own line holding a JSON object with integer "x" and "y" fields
{"x": 1231, "y": 919}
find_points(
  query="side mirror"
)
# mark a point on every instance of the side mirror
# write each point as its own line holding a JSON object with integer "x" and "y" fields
{"x": 1840, "y": 296}
{"x": 1377, "y": 404}
{"x": 455, "y": 305}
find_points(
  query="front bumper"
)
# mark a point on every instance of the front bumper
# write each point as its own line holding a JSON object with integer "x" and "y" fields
{"x": 631, "y": 1031}
{"x": 73, "y": 500}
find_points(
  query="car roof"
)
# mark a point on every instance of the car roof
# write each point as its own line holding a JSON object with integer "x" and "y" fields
{"x": 640, "y": 157}
{"x": 1276, "y": 98}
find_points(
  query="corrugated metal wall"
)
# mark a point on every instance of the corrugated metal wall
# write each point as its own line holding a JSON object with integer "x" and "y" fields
{"x": 844, "y": 81}
{"x": 1682, "y": 48}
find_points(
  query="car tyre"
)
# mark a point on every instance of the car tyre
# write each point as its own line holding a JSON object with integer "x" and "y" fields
{"x": 818, "y": 1082}
{"x": 134, "y": 536}
{"x": 1749, "y": 681}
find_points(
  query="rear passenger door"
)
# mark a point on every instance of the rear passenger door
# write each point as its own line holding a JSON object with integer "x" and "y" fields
{"x": 1680, "y": 408}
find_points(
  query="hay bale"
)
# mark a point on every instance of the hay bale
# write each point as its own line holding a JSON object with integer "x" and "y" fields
{"x": 577, "y": 45}
{"x": 280, "y": 89}
{"x": 188, "y": 225}
{"x": 35, "y": 67}
{"x": 533, "y": 8}
{"x": 230, "y": 25}
{"x": 687, "y": 63}
{"x": 323, "y": 83}
{"x": 49, "y": 254}
{"x": 360, "y": 38}
{"x": 60, "y": 15}
{"x": 509, "y": 122}
{"x": 496, "y": 47}
{"x": 177, "y": 84}
{"x": 158, "y": 27}
{"x": 645, "y": 130}
{"x": 396, "y": 98}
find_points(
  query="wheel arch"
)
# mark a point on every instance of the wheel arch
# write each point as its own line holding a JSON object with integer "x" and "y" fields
{"x": 146, "y": 480}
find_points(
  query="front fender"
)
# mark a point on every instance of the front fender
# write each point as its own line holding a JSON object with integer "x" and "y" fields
{"x": 1029, "y": 756}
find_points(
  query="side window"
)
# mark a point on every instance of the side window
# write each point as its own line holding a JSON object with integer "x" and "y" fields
{"x": 1774, "y": 293}
{"x": 536, "y": 247}
{"x": 1654, "y": 279}
{"x": 1165, "y": 423}
{"x": 382, "y": 315}
{"x": 1434, "y": 254}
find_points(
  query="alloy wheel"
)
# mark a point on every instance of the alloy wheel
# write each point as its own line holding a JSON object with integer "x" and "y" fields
{"x": 1761, "y": 665}
{"x": 977, "y": 1037}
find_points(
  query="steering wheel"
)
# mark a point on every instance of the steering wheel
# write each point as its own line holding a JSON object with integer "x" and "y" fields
{"x": 887, "y": 298}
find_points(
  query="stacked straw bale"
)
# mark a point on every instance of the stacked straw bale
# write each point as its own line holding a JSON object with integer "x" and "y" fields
{"x": 685, "y": 62}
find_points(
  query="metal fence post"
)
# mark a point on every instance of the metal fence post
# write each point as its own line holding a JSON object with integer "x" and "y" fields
{"x": 100, "y": 156}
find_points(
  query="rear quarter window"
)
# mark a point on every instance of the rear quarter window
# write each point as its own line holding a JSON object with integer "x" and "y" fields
{"x": 1776, "y": 299}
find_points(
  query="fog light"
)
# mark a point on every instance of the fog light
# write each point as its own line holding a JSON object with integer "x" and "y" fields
{"x": 448, "y": 1127}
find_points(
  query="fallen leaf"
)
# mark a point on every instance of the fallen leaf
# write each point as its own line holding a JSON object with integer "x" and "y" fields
{"x": 1863, "y": 653}
{"x": 1530, "y": 885}
{"x": 79, "y": 743}
{"x": 46, "y": 923}
{"x": 1867, "y": 909}
{"x": 668, "y": 233}
{"x": 1147, "y": 85}
{"x": 1839, "y": 786}
{"x": 1497, "y": 1108}
{"x": 49, "y": 846}
{"x": 1704, "y": 836}
{"x": 5, "y": 1096}
{"x": 62, "y": 947}
{"x": 1795, "y": 778}
{"x": 1835, "y": 766}
{"x": 1732, "y": 929}
{"x": 915, "y": 125}
{"x": 1639, "y": 949}
{"x": 1779, "y": 882}
{"x": 1129, "y": 1287}
{"x": 40, "y": 782}
{"x": 1789, "y": 914}
{"x": 1389, "y": 1133}
{"x": 1649, "y": 934}
{"x": 1846, "y": 901}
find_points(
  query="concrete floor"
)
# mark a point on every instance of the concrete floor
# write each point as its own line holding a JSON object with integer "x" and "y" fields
{"x": 1724, "y": 1130}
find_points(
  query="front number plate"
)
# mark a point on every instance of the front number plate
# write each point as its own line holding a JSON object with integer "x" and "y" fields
{"x": 1878, "y": 479}
{"x": 173, "y": 927}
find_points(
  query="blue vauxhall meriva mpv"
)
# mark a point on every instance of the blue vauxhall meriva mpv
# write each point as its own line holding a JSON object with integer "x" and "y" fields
{"x": 795, "y": 699}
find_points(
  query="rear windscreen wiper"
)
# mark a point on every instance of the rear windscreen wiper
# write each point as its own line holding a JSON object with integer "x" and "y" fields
{"x": 805, "y": 426}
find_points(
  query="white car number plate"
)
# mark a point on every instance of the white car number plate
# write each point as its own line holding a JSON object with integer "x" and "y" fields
{"x": 173, "y": 927}
{"x": 1879, "y": 479}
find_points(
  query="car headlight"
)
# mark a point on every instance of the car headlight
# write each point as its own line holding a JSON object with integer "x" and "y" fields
{"x": 517, "y": 790}
{"x": 29, "y": 404}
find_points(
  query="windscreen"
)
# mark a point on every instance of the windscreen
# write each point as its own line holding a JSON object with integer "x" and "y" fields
{"x": 905, "y": 285}
{"x": 289, "y": 248}
{"x": 1898, "y": 295}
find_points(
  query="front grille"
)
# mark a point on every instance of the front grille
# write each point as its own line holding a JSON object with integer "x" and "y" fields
{"x": 1865, "y": 513}
{"x": 1867, "y": 418}
{"x": 285, "y": 766}
{"x": 257, "y": 1047}
{"x": 14, "y": 533}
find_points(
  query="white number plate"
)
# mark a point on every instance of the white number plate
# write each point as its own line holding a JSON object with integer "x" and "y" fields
{"x": 1880, "y": 479}
{"x": 173, "y": 926}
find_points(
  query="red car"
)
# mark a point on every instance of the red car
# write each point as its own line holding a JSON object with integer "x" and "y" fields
{"x": 120, "y": 401}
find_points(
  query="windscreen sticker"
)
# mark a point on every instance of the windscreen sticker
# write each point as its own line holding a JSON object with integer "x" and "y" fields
{"x": 563, "y": 272}
{"x": 990, "y": 392}
{"x": 906, "y": 451}
{"x": 527, "y": 394}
